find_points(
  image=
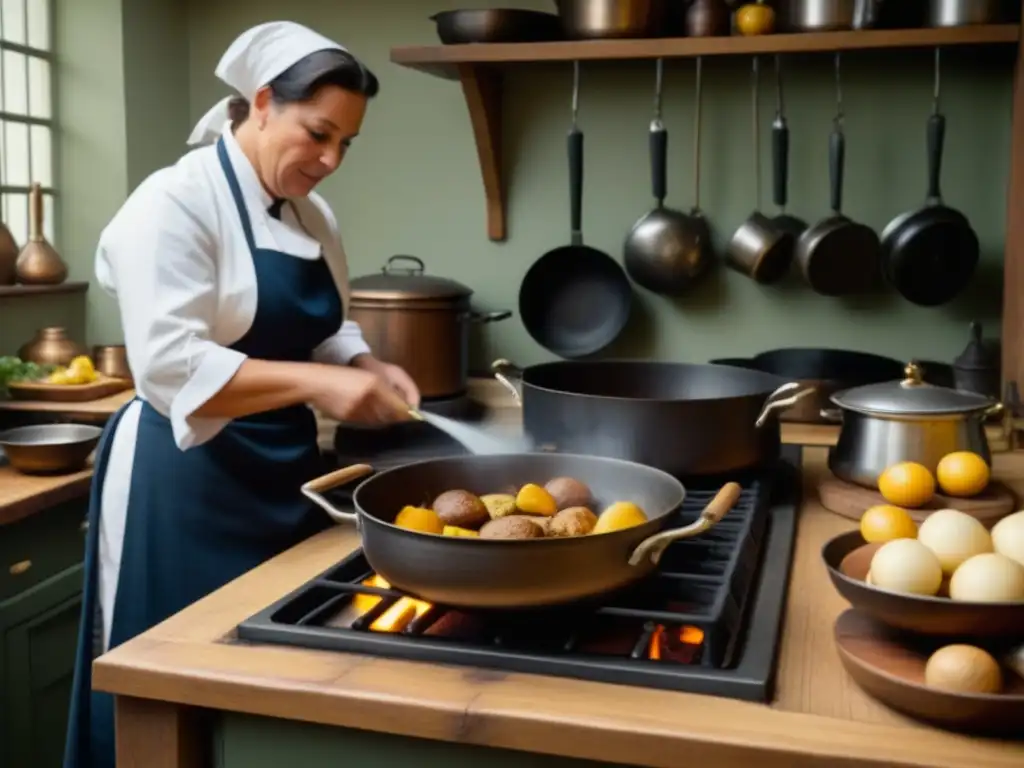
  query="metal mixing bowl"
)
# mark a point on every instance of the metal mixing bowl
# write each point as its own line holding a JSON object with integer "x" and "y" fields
{"x": 49, "y": 448}
{"x": 605, "y": 19}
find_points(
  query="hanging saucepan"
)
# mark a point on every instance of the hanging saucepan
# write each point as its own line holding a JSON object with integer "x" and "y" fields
{"x": 663, "y": 251}
{"x": 838, "y": 256}
{"x": 477, "y": 572}
{"x": 780, "y": 163}
{"x": 575, "y": 300}
{"x": 760, "y": 249}
{"x": 420, "y": 322}
{"x": 685, "y": 419}
{"x": 929, "y": 255}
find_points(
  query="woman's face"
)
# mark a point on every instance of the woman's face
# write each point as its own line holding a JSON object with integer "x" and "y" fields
{"x": 301, "y": 144}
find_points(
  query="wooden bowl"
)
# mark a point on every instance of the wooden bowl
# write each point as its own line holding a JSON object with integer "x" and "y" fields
{"x": 889, "y": 666}
{"x": 848, "y": 558}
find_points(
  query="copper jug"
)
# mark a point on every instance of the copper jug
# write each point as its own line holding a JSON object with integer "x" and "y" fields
{"x": 8, "y": 256}
{"x": 708, "y": 18}
{"x": 50, "y": 346}
{"x": 39, "y": 263}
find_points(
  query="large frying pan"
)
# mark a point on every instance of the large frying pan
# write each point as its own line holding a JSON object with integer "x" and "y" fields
{"x": 492, "y": 573}
{"x": 575, "y": 300}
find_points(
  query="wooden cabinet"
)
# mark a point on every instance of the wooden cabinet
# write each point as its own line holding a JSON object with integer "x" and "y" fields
{"x": 40, "y": 600}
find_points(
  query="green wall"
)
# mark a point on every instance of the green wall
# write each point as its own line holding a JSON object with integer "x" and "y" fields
{"x": 412, "y": 185}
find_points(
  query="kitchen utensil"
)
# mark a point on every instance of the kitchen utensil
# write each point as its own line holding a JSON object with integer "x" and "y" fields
{"x": 838, "y": 256}
{"x": 707, "y": 18}
{"x": 610, "y": 19}
{"x": 889, "y": 666}
{"x": 683, "y": 418}
{"x": 38, "y": 263}
{"x": 977, "y": 368}
{"x": 849, "y": 501}
{"x": 848, "y": 558}
{"x": 827, "y": 15}
{"x": 476, "y": 439}
{"x": 929, "y": 255}
{"x": 959, "y": 13}
{"x": 759, "y": 249}
{"x": 67, "y": 393}
{"x": 496, "y": 25}
{"x": 575, "y": 299}
{"x": 495, "y": 573}
{"x": 420, "y": 322}
{"x": 907, "y": 420}
{"x": 780, "y": 165}
{"x": 825, "y": 370}
{"x": 663, "y": 251}
{"x": 8, "y": 256}
{"x": 49, "y": 448}
{"x": 111, "y": 360}
{"x": 50, "y": 346}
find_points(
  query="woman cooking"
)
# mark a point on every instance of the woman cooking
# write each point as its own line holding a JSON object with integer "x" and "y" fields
{"x": 231, "y": 282}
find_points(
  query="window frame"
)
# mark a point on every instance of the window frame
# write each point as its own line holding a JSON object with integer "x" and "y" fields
{"x": 52, "y": 122}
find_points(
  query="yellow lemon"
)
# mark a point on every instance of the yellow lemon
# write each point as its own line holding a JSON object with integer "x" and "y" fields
{"x": 534, "y": 500}
{"x": 907, "y": 484}
{"x": 419, "y": 519}
{"x": 962, "y": 473}
{"x": 621, "y": 514}
{"x": 454, "y": 530}
{"x": 885, "y": 522}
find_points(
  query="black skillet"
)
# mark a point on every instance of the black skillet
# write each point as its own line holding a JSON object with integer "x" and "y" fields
{"x": 575, "y": 300}
{"x": 929, "y": 255}
{"x": 838, "y": 256}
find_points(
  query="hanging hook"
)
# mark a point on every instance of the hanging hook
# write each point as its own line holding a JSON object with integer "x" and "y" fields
{"x": 575, "y": 92}
{"x": 779, "y": 102}
{"x": 658, "y": 81}
{"x": 938, "y": 80}
{"x": 838, "y": 120}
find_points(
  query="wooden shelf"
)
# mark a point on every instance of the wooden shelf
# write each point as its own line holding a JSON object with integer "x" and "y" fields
{"x": 478, "y": 68}
{"x": 17, "y": 291}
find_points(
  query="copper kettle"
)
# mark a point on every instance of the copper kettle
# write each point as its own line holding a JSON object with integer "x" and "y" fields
{"x": 39, "y": 263}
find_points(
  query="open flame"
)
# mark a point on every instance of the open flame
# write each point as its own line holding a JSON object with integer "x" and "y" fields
{"x": 396, "y": 617}
{"x": 685, "y": 641}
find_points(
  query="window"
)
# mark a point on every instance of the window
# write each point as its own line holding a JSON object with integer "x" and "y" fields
{"x": 26, "y": 113}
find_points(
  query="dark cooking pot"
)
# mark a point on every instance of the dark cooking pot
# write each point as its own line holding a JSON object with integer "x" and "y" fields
{"x": 683, "y": 418}
{"x": 419, "y": 322}
{"x": 500, "y": 573}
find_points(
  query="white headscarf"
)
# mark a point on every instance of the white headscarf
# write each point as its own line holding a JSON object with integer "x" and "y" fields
{"x": 254, "y": 59}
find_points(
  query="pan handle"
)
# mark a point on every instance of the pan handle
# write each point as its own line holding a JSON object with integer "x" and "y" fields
{"x": 776, "y": 401}
{"x": 511, "y": 377}
{"x": 315, "y": 488}
{"x": 653, "y": 547}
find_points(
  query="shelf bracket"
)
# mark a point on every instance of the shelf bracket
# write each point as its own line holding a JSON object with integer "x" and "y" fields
{"x": 482, "y": 89}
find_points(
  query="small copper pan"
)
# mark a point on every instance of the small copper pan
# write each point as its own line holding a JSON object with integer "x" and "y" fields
{"x": 112, "y": 360}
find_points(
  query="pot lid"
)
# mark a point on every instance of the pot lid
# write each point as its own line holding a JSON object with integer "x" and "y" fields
{"x": 978, "y": 355}
{"x": 406, "y": 282}
{"x": 911, "y": 395}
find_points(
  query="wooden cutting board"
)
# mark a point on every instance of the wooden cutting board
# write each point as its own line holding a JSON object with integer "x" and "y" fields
{"x": 849, "y": 500}
{"x": 104, "y": 386}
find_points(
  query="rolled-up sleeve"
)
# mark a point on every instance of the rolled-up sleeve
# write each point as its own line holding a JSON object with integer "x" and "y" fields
{"x": 159, "y": 260}
{"x": 340, "y": 348}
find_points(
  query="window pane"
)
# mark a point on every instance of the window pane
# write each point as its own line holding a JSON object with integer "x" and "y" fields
{"x": 15, "y": 83}
{"x": 16, "y": 217}
{"x": 39, "y": 101}
{"x": 42, "y": 156}
{"x": 15, "y": 147}
{"x": 39, "y": 24}
{"x": 13, "y": 20}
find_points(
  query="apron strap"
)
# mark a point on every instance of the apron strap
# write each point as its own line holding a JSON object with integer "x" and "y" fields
{"x": 236, "y": 192}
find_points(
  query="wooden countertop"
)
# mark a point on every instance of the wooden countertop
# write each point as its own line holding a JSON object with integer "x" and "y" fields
{"x": 819, "y": 717}
{"x": 89, "y": 411}
{"x": 23, "y": 495}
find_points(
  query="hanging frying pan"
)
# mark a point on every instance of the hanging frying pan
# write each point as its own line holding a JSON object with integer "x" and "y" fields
{"x": 929, "y": 255}
{"x": 575, "y": 300}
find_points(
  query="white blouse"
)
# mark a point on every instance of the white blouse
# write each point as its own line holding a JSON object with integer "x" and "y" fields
{"x": 176, "y": 259}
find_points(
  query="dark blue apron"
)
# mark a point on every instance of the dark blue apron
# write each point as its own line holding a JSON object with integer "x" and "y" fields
{"x": 200, "y": 518}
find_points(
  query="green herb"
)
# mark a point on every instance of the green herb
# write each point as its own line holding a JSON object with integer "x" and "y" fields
{"x": 14, "y": 369}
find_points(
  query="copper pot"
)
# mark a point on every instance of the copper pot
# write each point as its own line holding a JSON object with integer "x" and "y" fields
{"x": 39, "y": 263}
{"x": 112, "y": 360}
{"x": 50, "y": 346}
{"x": 420, "y": 322}
{"x": 8, "y": 256}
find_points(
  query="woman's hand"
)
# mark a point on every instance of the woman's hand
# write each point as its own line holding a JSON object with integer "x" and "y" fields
{"x": 395, "y": 376}
{"x": 357, "y": 395}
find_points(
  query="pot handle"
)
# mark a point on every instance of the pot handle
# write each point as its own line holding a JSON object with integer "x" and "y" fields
{"x": 776, "y": 401}
{"x": 510, "y": 376}
{"x": 315, "y": 488}
{"x": 654, "y": 547}
{"x": 833, "y": 415}
{"x": 486, "y": 317}
{"x": 417, "y": 270}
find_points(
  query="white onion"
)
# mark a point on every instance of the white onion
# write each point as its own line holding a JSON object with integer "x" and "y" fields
{"x": 953, "y": 537}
